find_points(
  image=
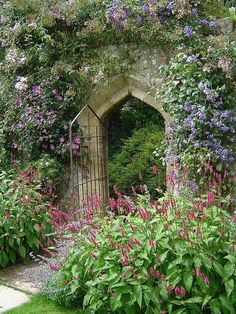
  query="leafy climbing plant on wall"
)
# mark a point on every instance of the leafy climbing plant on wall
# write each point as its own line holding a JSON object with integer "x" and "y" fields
{"x": 50, "y": 66}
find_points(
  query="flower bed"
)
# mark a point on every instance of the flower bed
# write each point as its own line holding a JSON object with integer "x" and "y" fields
{"x": 176, "y": 255}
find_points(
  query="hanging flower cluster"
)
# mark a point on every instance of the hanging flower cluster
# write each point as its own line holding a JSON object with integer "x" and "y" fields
{"x": 198, "y": 93}
{"x": 41, "y": 123}
{"x": 123, "y": 15}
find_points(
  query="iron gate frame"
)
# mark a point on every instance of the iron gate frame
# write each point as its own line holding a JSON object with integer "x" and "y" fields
{"x": 101, "y": 181}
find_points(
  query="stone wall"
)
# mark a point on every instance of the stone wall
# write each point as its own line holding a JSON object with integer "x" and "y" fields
{"x": 136, "y": 74}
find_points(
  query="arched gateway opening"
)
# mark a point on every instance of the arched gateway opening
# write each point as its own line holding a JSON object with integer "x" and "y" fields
{"x": 89, "y": 165}
{"x": 135, "y": 146}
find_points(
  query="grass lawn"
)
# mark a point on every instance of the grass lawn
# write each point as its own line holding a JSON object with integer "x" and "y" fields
{"x": 41, "y": 305}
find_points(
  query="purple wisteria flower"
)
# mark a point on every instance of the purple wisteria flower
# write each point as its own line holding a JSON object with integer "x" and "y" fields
{"x": 203, "y": 22}
{"x": 187, "y": 107}
{"x": 127, "y": 14}
{"x": 139, "y": 19}
{"x": 145, "y": 8}
{"x": 212, "y": 24}
{"x": 191, "y": 59}
{"x": 62, "y": 140}
{"x": 194, "y": 11}
{"x": 170, "y": 6}
{"x": 201, "y": 85}
{"x": 188, "y": 32}
{"x": 36, "y": 90}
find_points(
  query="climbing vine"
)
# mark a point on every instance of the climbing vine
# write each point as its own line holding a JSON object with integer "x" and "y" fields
{"x": 50, "y": 65}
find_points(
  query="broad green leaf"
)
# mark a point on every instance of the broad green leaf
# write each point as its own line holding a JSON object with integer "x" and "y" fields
{"x": 87, "y": 298}
{"x": 215, "y": 307}
{"x": 194, "y": 300}
{"x": 164, "y": 256}
{"x": 228, "y": 270}
{"x": 3, "y": 259}
{"x": 139, "y": 295}
{"x": 12, "y": 256}
{"x": 230, "y": 258}
{"x": 206, "y": 300}
{"x": 22, "y": 251}
{"x": 180, "y": 311}
{"x": 229, "y": 287}
{"x": 218, "y": 268}
{"x": 206, "y": 261}
{"x": 226, "y": 303}
{"x": 164, "y": 294}
{"x": 188, "y": 280}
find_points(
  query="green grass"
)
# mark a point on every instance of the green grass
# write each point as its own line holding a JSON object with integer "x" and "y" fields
{"x": 41, "y": 305}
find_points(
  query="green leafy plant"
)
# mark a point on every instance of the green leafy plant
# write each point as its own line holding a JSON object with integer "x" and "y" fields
{"x": 50, "y": 171}
{"x": 25, "y": 218}
{"x": 174, "y": 256}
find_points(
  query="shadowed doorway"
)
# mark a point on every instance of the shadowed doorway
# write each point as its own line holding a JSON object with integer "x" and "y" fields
{"x": 135, "y": 133}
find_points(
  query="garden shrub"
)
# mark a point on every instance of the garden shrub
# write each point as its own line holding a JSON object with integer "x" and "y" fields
{"x": 133, "y": 115}
{"x": 51, "y": 172}
{"x": 25, "y": 217}
{"x": 173, "y": 256}
{"x": 135, "y": 158}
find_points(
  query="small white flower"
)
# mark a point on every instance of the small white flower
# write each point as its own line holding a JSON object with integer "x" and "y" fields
{"x": 32, "y": 25}
{"x": 21, "y": 84}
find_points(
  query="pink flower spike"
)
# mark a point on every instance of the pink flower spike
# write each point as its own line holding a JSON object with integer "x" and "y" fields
{"x": 177, "y": 291}
{"x": 122, "y": 232}
{"x": 183, "y": 292}
{"x": 169, "y": 289}
{"x": 206, "y": 280}
{"x": 124, "y": 261}
{"x": 179, "y": 234}
{"x": 53, "y": 267}
{"x": 93, "y": 255}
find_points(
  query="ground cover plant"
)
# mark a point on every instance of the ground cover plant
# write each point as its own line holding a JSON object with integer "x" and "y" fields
{"x": 175, "y": 255}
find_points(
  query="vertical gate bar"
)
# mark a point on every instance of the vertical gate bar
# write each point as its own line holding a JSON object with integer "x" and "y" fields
{"x": 90, "y": 162}
{"x": 105, "y": 152}
{"x": 71, "y": 158}
{"x": 86, "y": 178}
{"x": 76, "y": 179}
{"x": 103, "y": 165}
{"x": 98, "y": 162}
{"x": 82, "y": 175}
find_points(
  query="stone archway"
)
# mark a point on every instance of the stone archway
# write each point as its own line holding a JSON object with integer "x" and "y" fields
{"x": 92, "y": 120}
{"x": 119, "y": 88}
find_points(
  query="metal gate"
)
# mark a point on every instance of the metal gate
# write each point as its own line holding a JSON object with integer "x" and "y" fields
{"x": 88, "y": 159}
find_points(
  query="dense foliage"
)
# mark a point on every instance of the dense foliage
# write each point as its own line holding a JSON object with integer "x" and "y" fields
{"x": 174, "y": 256}
{"x": 133, "y": 115}
{"x": 199, "y": 91}
{"x": 50, "y": 65}
{"x": 136, "y": 161}
{"x": 26, "y": 217}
